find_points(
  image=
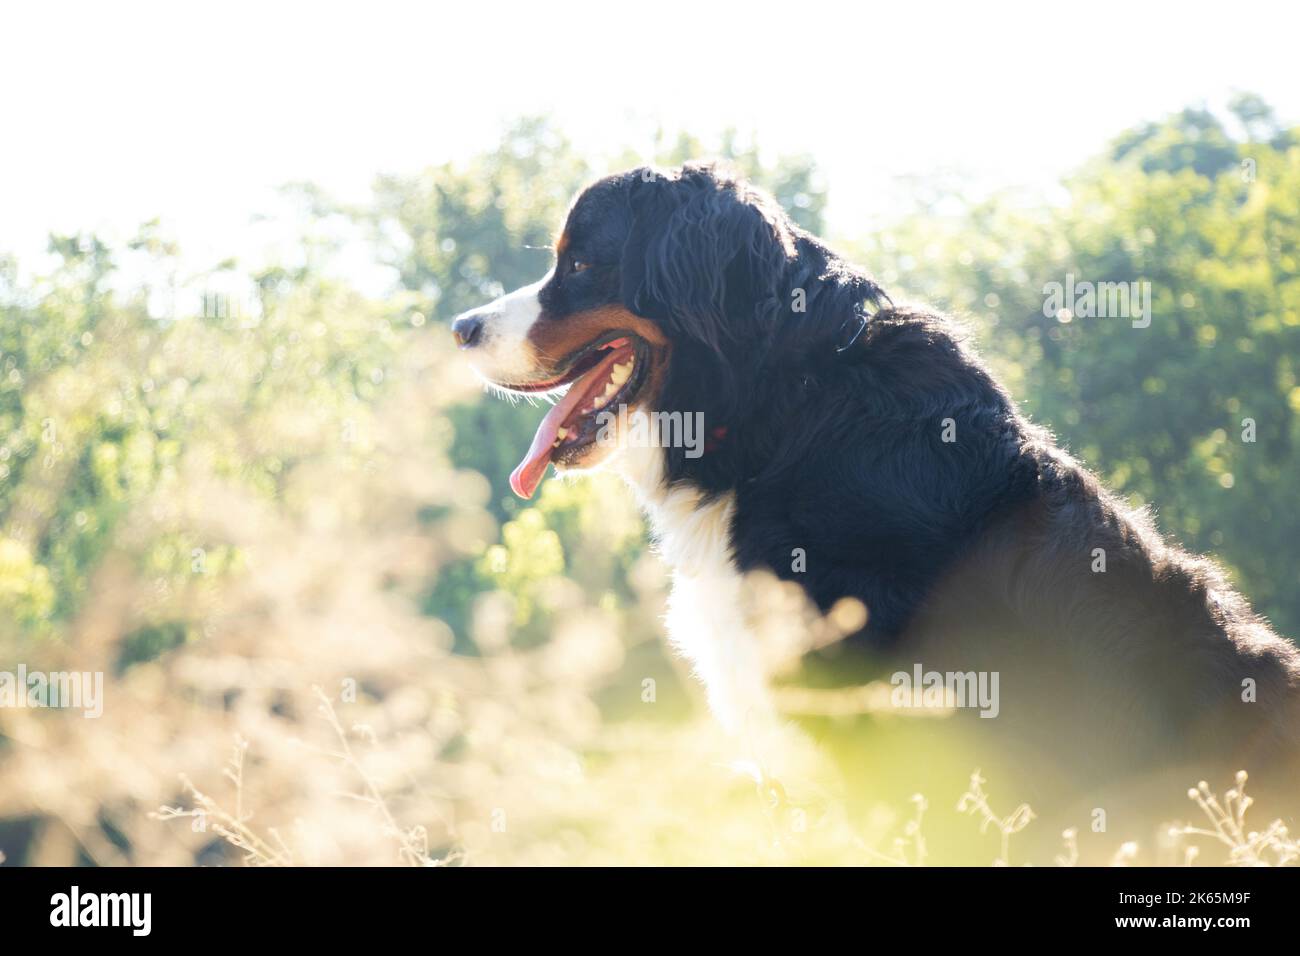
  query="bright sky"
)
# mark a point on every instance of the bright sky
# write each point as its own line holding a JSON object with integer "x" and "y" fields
{"x": 117, "y": 112}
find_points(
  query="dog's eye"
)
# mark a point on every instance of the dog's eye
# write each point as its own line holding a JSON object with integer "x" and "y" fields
{"x": 580, "y": 266}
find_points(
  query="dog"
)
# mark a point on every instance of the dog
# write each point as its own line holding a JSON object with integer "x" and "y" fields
{"x": 868, "y": 440}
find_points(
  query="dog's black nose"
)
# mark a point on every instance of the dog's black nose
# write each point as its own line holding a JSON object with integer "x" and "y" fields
{"x": 467, "y": 330}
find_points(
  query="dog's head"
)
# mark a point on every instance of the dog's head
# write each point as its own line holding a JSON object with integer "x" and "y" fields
{"x": 668, "y": 291}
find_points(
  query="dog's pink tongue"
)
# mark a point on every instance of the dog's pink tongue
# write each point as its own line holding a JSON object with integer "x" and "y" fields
{"x": 529, "y": 472}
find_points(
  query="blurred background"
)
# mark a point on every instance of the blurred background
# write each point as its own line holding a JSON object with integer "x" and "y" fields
{"x": 244, "y": 475}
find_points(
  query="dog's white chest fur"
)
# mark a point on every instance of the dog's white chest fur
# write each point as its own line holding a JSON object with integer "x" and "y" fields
{"x": 706, "y": 612}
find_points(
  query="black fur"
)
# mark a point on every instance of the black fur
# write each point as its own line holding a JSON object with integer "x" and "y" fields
{"x": 971, "y": 554}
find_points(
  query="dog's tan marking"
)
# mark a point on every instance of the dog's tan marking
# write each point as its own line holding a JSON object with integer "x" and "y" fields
{"x": 556, "y": 339}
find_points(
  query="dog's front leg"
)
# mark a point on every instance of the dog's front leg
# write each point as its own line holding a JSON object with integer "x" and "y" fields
{"x": 706, "y": 623}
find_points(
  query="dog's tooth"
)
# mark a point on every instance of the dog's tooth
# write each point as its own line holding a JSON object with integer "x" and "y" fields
{"x": 611, "y": 390}
{"x": 621, "y": 373}
{"x": 561, "y": 432}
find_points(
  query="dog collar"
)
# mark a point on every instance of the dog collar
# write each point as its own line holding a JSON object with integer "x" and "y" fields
{"x": 861, "y": 314}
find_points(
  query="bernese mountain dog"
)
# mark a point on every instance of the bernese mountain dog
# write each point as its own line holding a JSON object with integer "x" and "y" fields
{"x": 863, "y": 451}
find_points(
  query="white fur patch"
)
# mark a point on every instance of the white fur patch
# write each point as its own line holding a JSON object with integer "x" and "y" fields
{"x": 706, "y": 618}
{"x": 505, "y": 354}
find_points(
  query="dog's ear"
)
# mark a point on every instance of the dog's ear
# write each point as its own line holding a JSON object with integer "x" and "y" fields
{"x": 705, "y": 254}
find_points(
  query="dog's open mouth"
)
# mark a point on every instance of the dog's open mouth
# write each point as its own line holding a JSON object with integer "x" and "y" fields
{"x": 602, "y": 376}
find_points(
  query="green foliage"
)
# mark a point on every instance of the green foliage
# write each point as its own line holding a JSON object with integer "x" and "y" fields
{"x": 103, "y": 405}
